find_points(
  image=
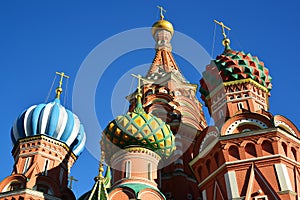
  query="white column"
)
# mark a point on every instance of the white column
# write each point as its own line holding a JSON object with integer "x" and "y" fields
{"x": 204, "y": 197}
{"x": 283, "y": 177}
{"x": 231, "y": 185}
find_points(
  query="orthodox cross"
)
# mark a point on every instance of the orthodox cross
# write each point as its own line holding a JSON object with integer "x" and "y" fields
{"x": 162, "y": 10}
{"x": 59, "y": 88}
{"x": 71, "y": 179}
{"x": 223, "y": 28}
{"x": 62, "y": 75}
{"x": 139, "y": 77}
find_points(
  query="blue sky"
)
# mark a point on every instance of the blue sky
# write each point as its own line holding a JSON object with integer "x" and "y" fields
{"x": 41, "y": 37}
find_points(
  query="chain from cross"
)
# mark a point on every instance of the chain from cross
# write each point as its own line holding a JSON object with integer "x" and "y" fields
{"x": 162, "y": 10}
{"x": 71, "y": 179}
{"x": 223, "y": 28}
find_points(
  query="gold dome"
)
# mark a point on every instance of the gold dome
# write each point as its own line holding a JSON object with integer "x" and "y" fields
{"x": 162, "y": 24}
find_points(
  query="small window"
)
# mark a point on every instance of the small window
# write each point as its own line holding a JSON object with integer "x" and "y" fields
{"x": 150, "y": 171}
{"x": 189, "y": 196}
{"x": 45, "y": 171}
{"x": 127, "y": 169}
{"x": 240, "y": 105}
{"x": 26, "y": 165}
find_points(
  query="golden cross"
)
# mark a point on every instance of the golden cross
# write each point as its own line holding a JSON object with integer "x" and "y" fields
{"x": 59, "y": 88}
{"x": 71, "y": 179}
{"x": 62, "y": 75}
{"x": 161, "y": 12}
{"x": 223, "y": 28}
{"x": 139, "y": 77}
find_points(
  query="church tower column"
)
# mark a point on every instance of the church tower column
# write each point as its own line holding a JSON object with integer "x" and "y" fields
{"x": 47, "y": 141}
{"x": 134, "y": 144}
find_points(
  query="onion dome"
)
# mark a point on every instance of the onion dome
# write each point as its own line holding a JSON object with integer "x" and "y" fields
{"x": 162, "y": 24}
{"x": 53, "y": 120}
{"x": 231, "y": 66}
{"x": 138, "y": 129}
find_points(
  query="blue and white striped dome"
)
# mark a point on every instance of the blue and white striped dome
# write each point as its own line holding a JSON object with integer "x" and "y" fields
{"x": 53, "y": 120}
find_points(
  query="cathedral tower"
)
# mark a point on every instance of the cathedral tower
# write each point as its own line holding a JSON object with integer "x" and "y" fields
{"x": 169, "y": 96}
{"x": 134, "y": 144}
{"x": 250, "y": 154}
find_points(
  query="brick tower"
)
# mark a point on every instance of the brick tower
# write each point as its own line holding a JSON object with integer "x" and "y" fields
{"x": 47, "y": 141}
{"x": 169, "y": 96}
{"x": 134, "y": 144}
{"x": 250, "y": 154}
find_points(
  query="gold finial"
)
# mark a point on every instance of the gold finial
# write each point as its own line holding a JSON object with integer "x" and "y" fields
{"x": 226, "y": 41}
{"x": 59, "y": 88}
{"x": 162, "y": 10}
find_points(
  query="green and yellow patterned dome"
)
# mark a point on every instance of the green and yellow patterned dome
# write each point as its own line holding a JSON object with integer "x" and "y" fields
{"x": 138, "y": 129}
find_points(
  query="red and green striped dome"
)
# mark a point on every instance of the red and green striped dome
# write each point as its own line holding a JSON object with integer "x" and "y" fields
{"x": 138, "y": 129}
{"x": 231, "y": 66}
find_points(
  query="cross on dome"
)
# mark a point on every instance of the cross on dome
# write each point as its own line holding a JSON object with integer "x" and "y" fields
{"x": 59, "y": 88}
{"x": 162, "y": 10}
{"x": 225, "y": 41}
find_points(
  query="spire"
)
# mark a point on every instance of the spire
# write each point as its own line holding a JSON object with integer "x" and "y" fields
{"x": 99, "y": 190}
{"x": 226, "y": 41}
{"x": 59, "y": 88}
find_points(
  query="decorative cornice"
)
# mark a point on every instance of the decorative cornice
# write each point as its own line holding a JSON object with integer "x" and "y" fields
{"x": 230, "y": 83}
{"x": 45, "y": 138}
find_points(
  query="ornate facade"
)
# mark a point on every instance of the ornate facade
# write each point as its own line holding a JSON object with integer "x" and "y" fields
{"x": 162, "y": 148}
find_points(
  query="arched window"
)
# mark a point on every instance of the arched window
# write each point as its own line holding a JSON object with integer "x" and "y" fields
{"x": 250, "y": 151}
{"x": 240, "y": 105}
{"x": 267, "y": 148}
{"x": 294, "y": 153}
{"x": 208, "y": 165}
{"x": 217, "y": 159}
{"x": 234, "y": 153}
{"x": 284, "y": 147}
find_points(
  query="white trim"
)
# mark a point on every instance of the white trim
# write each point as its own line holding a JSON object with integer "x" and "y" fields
{"x": 26, "y": 165}
{"x": 283, "y": 177}
{"x": 231, "y": 185}
{"x": 204, "y": 197}
{"x": 237, "y": 123}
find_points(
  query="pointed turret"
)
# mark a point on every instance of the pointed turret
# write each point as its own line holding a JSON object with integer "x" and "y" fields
{"x": 102, "y": 184}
